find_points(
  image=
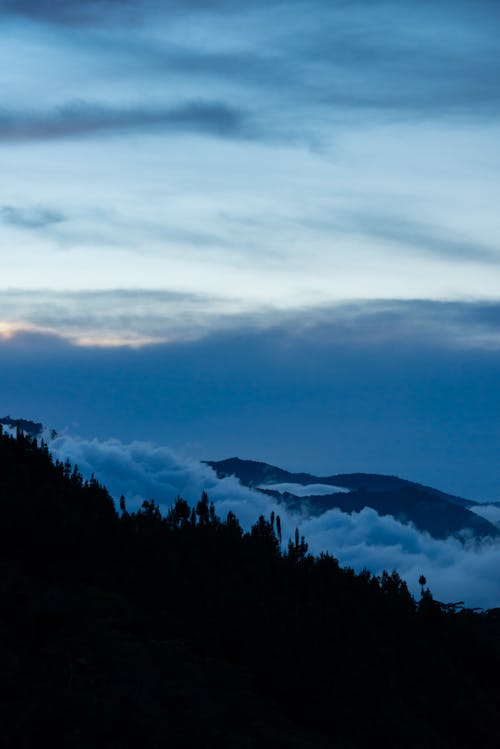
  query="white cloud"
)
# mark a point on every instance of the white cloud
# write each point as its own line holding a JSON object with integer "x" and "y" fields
{"x": 306, "y": 490}
{"x": 490, "y": 512}
{"x": 454, "y": 572}
{"x": 141, "y": 470}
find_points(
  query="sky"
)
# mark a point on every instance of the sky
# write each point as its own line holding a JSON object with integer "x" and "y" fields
{"x": 268, "y": 230}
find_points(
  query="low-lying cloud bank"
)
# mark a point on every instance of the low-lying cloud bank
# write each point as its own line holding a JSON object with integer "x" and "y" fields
{"x": 306, "y": 490}
{"x": 490, "y": 512}
{"x": 141, "y": 470}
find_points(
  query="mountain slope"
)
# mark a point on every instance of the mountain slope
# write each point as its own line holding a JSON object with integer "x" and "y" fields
{"x": 429, "y": 509}
{"x": 140, "y": 631}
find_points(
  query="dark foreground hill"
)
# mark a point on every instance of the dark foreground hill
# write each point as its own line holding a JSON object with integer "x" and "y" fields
{"x": 429, "y": 509}
{"x": 137, "y": 630}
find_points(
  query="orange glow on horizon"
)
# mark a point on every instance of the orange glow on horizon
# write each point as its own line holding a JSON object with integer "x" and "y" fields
{"x": 9, "y": 330}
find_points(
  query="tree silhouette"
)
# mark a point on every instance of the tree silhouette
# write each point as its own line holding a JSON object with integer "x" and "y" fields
{"x": 422, "y": 581}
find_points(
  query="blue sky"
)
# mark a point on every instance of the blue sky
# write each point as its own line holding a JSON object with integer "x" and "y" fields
{"x": 221, "y": 178}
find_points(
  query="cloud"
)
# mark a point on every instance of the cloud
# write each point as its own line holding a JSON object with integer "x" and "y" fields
{"x": 405, "y": 323}
{"x": 74, "y": 12}
{"x": 454, "y": 572}
{"x": 110, "y": 229}
{"x": 30, "y": 217}
{"x": 388, "y": 60}
{"x": 145, "y": 471}
{"x": 209, "y": 118}
{"x": 90, "y": 12}
{"x": 263, "y": 68}
{"x": 306, "y": 490}
{"x": 333, "y": 60}
{"x": 420, "y": 237}
{"x": 122, "y": 315}
{"x": 141, "y": 470}
{"x": 147, "y": 316}
{"x": 490, "y": 512}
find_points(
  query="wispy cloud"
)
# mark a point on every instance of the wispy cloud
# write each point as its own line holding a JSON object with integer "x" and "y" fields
{"x": 333, "y": 60}
{"x": 74, "y": 12}
{"x": 122, "y": 316}
{"x": 209, "y": 118}
{"x": 139, "y": 316}
{"x": 30, "y": 217}
{"x": 84, "y": 12}
{"x": 419, "y": 237}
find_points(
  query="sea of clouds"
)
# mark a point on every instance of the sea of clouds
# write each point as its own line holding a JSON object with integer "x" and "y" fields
{"x": 141, "y": 470}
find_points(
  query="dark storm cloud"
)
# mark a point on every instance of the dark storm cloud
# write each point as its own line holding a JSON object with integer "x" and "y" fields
{"x": 210, "y": 118}
{"x": 30, "y": 217}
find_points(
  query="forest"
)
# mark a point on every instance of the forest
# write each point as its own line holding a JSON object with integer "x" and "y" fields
{"x": 134, "y": 629}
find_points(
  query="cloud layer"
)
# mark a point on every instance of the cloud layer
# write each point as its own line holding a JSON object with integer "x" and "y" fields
{"x": 138, "y": 316}
{"x": 145, "y": 471}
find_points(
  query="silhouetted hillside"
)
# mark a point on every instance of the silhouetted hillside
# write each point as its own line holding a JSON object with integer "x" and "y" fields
{"x": 429, "y": 509}
{"x": 126, "y": 629}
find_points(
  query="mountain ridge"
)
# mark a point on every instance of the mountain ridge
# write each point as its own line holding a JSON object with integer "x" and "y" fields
{"x": 429, "y": 509}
